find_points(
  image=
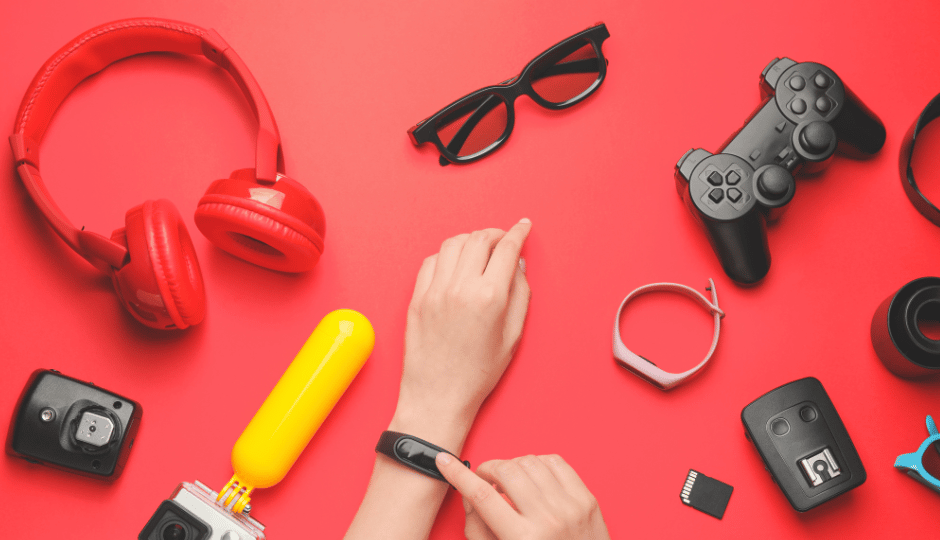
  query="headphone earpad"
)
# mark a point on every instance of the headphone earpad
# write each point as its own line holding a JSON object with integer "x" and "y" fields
{"x": 279, "y": 226}
{"x": 162, "y": 284}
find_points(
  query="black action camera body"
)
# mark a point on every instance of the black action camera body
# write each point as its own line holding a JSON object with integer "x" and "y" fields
{"x": 803, "y": 443}
{"x": 73, "y": 425}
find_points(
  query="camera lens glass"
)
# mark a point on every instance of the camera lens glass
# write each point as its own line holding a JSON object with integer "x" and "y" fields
{"x": 174, "y": 531}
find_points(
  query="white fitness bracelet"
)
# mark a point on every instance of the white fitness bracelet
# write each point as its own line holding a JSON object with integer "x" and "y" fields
{"x": 647, "y": 370}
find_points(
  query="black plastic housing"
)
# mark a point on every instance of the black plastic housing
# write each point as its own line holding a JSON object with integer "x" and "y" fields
{"x": 782, "y": 453}
{"x": 53, "y": 441}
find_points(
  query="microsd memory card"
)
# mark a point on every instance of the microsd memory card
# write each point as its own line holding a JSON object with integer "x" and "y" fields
{"x": 706, "y": 494}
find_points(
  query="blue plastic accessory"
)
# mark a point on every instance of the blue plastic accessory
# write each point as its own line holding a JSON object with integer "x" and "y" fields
{"x": 913, "y": 464}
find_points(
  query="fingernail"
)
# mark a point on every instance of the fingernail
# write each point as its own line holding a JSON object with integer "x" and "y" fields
{"x": 525, "y": 220}
{"x": 444, "y": 458}
{"x": 522, "y": 264}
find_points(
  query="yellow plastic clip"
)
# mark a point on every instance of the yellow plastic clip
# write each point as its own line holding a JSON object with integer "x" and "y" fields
{"x": 236, "y": 495}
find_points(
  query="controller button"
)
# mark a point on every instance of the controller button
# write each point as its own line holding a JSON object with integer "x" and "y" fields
{"x": 821, "y": 80}
{"x": 798, "y": 106}
{"x": 781, "y": 126}
{"x": 755, "y": 154}
{"x": 780, "y": 427}
{"x": 823, "y": 104}
{"x": 774, "y": 183}
{"x": 797, "y": 83}
{"x": 715, "y": 178}
{"x": 734, "y": 194}
{"x": 808, "y": 414}
{"x": 733, "y": 178}
{"x": 817, "y": 137}
{"x": 716, "y": 195}
{"x": 783, "y": 154}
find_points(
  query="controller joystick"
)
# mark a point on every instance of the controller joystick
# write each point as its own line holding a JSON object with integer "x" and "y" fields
{"x": 774, "y": 182}
{"x": 807, "y": 116}
{"x": 817, "y": 138}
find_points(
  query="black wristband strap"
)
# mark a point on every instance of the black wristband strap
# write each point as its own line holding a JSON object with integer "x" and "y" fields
{"x": 412, "y": 452}
{"x": 920, "y": 202}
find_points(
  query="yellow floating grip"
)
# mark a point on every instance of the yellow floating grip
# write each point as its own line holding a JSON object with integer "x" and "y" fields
{"x": 299, "y": 403}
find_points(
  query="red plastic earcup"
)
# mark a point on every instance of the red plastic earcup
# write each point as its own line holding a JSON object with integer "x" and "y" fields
{"x": 278, "y": 226}
{"x": 162, "y": 284}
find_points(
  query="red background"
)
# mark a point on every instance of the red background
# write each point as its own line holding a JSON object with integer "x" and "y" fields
{"x": 345, "y": 81}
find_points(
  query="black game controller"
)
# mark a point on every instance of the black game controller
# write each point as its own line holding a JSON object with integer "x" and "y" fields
{"x": 803, "y": 443}
{"x": 806, "y": 115}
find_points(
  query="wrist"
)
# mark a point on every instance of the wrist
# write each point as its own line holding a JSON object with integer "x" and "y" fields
{"x": 442, "y": 427}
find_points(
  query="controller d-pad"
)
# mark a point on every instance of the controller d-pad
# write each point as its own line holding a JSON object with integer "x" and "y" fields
{"x": 722, "y": 190}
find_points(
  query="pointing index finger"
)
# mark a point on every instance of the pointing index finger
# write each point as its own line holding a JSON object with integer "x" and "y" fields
{"x": 505, "y": 259}
{"x": 493, "y": 509}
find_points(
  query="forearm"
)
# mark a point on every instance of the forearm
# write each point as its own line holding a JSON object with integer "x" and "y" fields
{"x": 401, "y": 503}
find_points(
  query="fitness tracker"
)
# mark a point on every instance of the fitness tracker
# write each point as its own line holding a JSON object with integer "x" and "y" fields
{"x": 647, "y": 370}
{"x": 412, "y": 452}
{"x": 924, "y": 206}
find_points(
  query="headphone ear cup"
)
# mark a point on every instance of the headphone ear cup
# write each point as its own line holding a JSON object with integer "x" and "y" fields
{"x": 278, "y": 226}
{"x": 162, "y": 284}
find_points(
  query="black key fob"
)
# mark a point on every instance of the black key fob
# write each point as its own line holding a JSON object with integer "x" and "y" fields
{"x": 803, "y": 443}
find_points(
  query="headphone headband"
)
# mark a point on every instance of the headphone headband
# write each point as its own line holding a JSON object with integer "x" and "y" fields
{"x": 90, "y": 53}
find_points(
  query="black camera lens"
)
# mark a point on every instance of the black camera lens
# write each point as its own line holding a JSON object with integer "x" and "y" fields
{"x": 174, "y": 531}
{"x": 172, "y": 521}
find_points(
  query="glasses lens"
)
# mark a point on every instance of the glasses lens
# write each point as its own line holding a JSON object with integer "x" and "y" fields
{"x": 568, "y": 73}
{"x": 473, "y": 126}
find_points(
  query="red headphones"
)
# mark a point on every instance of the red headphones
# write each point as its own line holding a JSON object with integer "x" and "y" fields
{"x": 258, "y": 214}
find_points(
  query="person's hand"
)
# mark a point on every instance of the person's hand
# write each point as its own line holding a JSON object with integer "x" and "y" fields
{"x": 548, "y": 500}
{"x": 464, "y": 322}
